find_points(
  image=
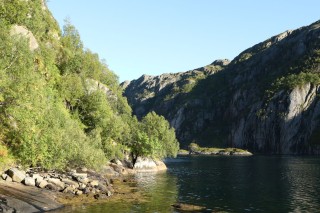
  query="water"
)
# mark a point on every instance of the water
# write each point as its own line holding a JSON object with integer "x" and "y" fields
{"x": 226, "y": 184}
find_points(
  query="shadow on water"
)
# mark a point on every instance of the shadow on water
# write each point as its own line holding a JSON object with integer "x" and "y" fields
{"x": 225, "y": 184}
{"x": 249, "y": 184}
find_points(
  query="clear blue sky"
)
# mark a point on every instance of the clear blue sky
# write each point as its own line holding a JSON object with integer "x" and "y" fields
{"x": 153, "y": 37}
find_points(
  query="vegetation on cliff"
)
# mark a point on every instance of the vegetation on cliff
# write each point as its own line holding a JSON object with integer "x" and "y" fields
{"x": 60, "y": 105}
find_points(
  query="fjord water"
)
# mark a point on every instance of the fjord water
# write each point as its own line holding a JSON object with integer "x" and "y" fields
{"x": 227, "y": 184}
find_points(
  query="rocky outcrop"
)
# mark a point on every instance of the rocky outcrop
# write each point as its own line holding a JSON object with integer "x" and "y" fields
{"x": 148, "y": 165}
{"x": 260, "y": 101}
{"x": 15, "y": 197}
{"x": 24, "y": 32}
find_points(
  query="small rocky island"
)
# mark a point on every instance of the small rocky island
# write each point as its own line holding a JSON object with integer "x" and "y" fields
{"x": 195, "y": 149}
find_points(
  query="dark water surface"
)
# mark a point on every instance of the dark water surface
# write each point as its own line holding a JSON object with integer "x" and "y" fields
{"x": 227, "y": 184}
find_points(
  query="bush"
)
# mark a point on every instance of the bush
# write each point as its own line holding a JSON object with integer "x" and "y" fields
{"x": 193, "y": 147}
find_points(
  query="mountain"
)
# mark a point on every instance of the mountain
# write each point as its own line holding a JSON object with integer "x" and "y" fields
{"x": 265, "y": 100}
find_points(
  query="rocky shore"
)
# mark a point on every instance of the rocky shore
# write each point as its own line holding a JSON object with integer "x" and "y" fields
{"x": 38, "y": 190}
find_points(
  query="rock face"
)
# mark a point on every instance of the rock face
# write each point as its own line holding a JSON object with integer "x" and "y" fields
{"x": 22, "y": 31}
{"x": 262, "y": 101}
{"x": 148, "y": 92}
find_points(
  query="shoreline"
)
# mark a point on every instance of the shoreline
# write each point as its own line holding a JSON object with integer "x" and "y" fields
{"x": 113, "y": 183}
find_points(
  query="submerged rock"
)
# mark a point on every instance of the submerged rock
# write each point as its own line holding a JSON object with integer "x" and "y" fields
{"x": 188, "y": 207}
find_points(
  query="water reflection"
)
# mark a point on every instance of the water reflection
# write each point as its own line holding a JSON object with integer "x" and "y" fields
{"x": 303, "y": 180}
{"x": 226, "y": 184}
{"x": 160, "y": 189}
{"x": 257, "y": 184}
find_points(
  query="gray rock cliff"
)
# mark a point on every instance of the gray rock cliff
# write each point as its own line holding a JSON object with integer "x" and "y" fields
{"x": 265, "y": 100}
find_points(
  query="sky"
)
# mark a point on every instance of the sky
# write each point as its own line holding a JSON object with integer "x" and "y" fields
{"x": 138, "y": 37}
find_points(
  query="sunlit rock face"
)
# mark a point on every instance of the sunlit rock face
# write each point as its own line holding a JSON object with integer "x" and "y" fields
{"x": 265, "y": 100}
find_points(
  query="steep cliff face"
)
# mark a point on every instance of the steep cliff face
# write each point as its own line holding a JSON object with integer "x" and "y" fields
{"x": 265, "y": 100}
{"x": 159, "y": 93}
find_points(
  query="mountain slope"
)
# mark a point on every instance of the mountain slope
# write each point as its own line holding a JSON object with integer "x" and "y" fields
{"x": 60, "y": 105}
{"x": 265, "y": 100}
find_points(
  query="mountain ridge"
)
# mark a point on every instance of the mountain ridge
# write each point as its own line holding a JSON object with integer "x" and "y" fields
{"x": 247, "y": 104}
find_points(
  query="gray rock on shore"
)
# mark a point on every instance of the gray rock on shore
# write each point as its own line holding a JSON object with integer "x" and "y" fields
{"x": 29, "y": 181}
{"x": 16, "y": 175}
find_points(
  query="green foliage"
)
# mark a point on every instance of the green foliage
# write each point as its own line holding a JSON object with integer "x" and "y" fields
{"x": 60, "y": 105}
{"x": 245, "y": 56}
{"x": 13, "y": 11}
{"x": 195, "y": 148}
{"x": 35, "y": 125}
{"x": 296, "y": 80}
{"x": 154, "y": 138}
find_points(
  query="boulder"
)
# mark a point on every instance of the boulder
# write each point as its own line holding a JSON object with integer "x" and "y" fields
{"x": 94, "y": 183}
{"x": 29, "y": 181}
{"x": 79, "y": 192}
{"x": 117, "y": 161}
{"x": 161, "y": 166}
{"x": 70, "y": 182}
{"x": 81, "y": 177}
{"x": 57, "y": 182}
{"x": 42, "y": 184}
{"x": 84, "y": 180}
{"x": 109, "y": 171}
{"x": 53, "y": 187}
{"x": 147, "y": 164}
{"x": 119, "y": 169}
{"x": 82, "y": 186}
{"x": 16, "y": 175}
{"x": 68, "y": 189}
{"x": 37, "y": 177}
